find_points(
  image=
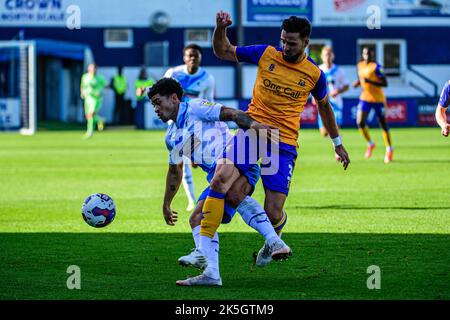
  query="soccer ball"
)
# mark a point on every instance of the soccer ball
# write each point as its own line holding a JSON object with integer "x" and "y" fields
{"x": 98, "y": 210}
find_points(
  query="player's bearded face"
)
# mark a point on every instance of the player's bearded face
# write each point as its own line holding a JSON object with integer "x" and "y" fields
{"x": 293, "y": 46}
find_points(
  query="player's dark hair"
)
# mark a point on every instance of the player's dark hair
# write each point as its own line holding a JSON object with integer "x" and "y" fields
{"x": 297, "y": 24}
{"x": 166, "y": 87}
{"x": 194, "y": 47}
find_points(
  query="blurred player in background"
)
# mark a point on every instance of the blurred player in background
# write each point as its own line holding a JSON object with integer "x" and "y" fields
{"x": 441, "y": 115}
{"x": 337, "y": 84}
{"x": 196, "y": 83}
{"x": 371, "y": 79}
{"x": 143, "y": 81}
{"x": 166, "y": 96}
{"x": 91, "y": 90}
{"x": 119, "y": 85}
{"x": 286, "y": 76}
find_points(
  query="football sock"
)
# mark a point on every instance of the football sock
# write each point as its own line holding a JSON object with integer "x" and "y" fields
{"x": 254, "y": 215}
{"x": 212, "y": 270}
{"x": 280, "y": 224}
{"x": 387, "y": 139}
{"x": 196, "y": 235}
{"x": 188, "y": 183}
{"x": 365, "y": 133}
{"x": 212, "y": 213}
{"x": 90, "y": 125}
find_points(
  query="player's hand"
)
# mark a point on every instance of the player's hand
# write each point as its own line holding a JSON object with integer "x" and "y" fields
{"x": 333, "y": 93}
{"x": 446, "y": 130}
{"x": 170, "y": 216}
{"x": 223, "y": 19}
{"x": 139, "y": 92}
{"x": 342, "y": 156}
{"x": 263, "y": 129}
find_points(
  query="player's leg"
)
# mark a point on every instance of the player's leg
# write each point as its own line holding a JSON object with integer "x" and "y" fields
{"x": 195, "y": 258}
{"x": 89, "y": 108}
{"x": 213, "y": 209}
{"x": 276, "y": 191}
{"x": 274, "y": 204}
{"x": 97, "y": 119}
{"x": 188, "y": 185}
{"x": 206, "y": 254}
{"x": 361, "y": 121}
{"x": 252, "y": 212}
{"x": 380, "y": 112}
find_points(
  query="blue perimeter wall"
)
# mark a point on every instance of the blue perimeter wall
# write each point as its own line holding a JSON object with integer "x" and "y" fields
{"x": 344, "y": 39}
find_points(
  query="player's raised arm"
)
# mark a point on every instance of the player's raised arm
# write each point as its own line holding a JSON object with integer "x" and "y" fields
{"x": 329, "y": 122}
{"x": 222, "y": 47}
{"x": 173, "y": 181}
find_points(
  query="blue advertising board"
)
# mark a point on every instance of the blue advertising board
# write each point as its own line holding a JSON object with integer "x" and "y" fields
{"x": 273, "y": 12}
{"x": 401, "y": 112}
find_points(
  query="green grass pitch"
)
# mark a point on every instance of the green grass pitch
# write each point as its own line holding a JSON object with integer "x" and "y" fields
{"x": 394, "y": 216}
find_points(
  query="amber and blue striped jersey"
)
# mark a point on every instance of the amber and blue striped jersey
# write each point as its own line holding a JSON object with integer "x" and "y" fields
{"x": 282, "y": 88}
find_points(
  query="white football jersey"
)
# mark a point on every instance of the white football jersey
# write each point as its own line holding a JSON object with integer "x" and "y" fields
{"x": 198, "y": 135}
{"x": 198, "y": 85}
{"x": 336, "y": 79}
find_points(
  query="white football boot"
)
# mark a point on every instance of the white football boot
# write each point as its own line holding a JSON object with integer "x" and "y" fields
{"x": 280, "y": 250}
{"x": 264, "y": 256}
{"x": 201, "y": 280}
{"x": 277, "y": 251}
{"x": 194, "y": 259}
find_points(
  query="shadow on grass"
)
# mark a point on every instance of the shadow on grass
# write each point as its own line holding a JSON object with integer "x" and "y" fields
{"x": 143, "y": 266}
{"x": 352, "y": 207}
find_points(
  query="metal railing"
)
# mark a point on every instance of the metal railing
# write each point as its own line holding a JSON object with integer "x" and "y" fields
{"x": 426, "y": 79}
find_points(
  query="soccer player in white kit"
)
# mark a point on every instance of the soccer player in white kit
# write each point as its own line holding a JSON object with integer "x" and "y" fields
{"x": 196, "y": 83}
{"x": 337, "y": 84}
{"x": 202, "y": 136}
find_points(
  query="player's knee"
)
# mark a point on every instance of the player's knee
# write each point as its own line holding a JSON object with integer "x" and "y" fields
{"x": 361, "y": 124}
{"x": 234, "y": 198}
{"x": 219, "y": 181}
{"x": 195, "y": 219}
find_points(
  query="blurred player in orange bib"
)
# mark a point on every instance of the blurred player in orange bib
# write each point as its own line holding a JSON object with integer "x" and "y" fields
{"x": 371, "y": 79}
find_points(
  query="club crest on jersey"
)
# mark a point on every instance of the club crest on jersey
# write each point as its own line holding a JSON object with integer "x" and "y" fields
{"x": 208, "y": 103}
{"x": 302, "y": 83}
{"x": 271, "y": 67}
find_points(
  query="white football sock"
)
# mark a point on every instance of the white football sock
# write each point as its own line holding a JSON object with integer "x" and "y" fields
{"x": 212, "y": 270}
{"x": 254, "y": 215}
{"x": 210, "y": 249}
{"x": 188, "y": 183}
{"x": 196, "y": 235}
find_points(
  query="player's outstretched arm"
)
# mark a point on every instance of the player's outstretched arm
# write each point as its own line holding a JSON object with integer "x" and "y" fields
{"x": 329, "y": 122}
{"x": 173, "y": 181}
{"x": 242, "y": 119}
{"x": 222, "y": 47}
{"x": 441, "y": 119}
